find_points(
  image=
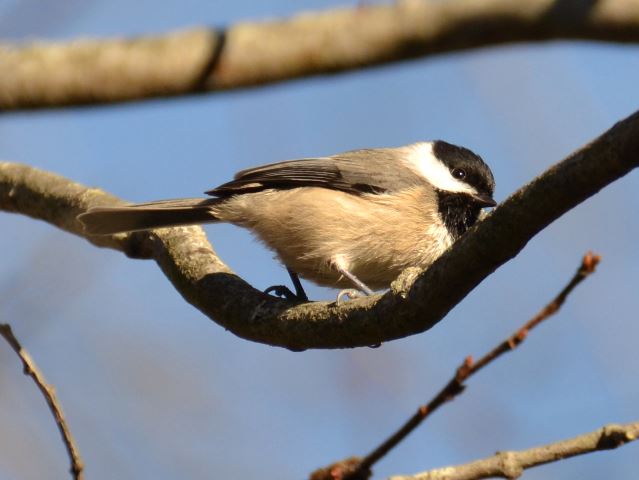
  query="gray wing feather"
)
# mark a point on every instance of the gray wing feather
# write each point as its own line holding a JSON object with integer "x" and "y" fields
{"x": 358, "y": 171}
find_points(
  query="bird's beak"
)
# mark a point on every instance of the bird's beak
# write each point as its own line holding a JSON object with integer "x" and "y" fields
{"x": 484, "y": 200}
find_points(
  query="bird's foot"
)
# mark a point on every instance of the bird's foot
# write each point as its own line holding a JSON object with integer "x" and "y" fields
{"x": 282, "y": 291}
{"x": 350, "y": 294}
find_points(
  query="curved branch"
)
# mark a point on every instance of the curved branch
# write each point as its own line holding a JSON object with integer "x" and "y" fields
{"x": 513, "y": 463}
{"x": 417, "y": 300}
{"x": 258, "y": 53}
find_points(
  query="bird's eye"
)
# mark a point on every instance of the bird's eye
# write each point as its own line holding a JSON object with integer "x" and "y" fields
{"x": 459, "y": 173}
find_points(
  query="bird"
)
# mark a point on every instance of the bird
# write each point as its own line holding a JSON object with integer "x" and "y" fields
{"x": 353, "y": 219}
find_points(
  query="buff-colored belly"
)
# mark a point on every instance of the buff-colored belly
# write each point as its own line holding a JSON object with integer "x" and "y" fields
{"x": 375, "y": 236}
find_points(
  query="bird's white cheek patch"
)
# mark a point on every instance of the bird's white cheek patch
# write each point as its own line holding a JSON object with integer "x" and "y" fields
{"x": 423, "y": 161}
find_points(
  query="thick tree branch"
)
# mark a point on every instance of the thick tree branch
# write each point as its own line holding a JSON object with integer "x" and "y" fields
{"x": 247, "y": 54}
{"x": 48, "y": 392}
{"x": 511, "y": 464}
{"x": 416, "y": 301}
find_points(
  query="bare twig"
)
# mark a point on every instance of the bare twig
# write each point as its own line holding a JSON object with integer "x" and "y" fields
{"x": 588, "y": 265}
{"x": 258, "y": 53}
{"x": 415, "y": 302}
{"x": 511, "y": 465}
{"x": 456, "y": 384}
{"x": 31, "y": 369}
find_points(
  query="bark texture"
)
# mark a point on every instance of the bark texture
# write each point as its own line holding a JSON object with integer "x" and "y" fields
{"x": 246, "y": 54}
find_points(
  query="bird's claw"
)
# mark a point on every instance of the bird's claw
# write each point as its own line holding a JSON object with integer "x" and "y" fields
{"x": 281, "y": 291}
{"x": 350, "y": 294}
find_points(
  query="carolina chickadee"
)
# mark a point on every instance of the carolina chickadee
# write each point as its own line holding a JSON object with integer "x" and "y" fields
{"x": 353, "y": 219}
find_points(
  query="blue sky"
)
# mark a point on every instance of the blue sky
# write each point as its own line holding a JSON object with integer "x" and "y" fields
{"x": 153, "y": 389}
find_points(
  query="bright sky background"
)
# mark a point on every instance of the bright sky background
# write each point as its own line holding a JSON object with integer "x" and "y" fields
{"x": 153, "y": 389}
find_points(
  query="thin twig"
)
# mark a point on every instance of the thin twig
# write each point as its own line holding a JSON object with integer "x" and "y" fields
{"x": 469, "y": 367}
{"x": 512, "y": 464}
{"x": 31, "y": 369}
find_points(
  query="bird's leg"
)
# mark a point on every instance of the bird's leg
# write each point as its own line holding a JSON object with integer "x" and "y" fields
{"x": 284, "y": 291}
{"x": 350, "y": 292}
{"x": 361, "y": 286}
{"x": 299, "y": 290}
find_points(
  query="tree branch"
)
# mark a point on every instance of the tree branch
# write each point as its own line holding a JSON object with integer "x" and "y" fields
{"x": 247, "y": 54}
{"x": 417, "y": 300}
{"x": 48, "y": 392}
{"x": 511, "y": 464}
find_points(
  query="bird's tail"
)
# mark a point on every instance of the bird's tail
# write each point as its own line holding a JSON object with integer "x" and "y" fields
{"x": 145, "y": 216}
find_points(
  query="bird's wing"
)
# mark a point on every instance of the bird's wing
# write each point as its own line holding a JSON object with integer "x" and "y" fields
{"x": 358, "y": 171}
